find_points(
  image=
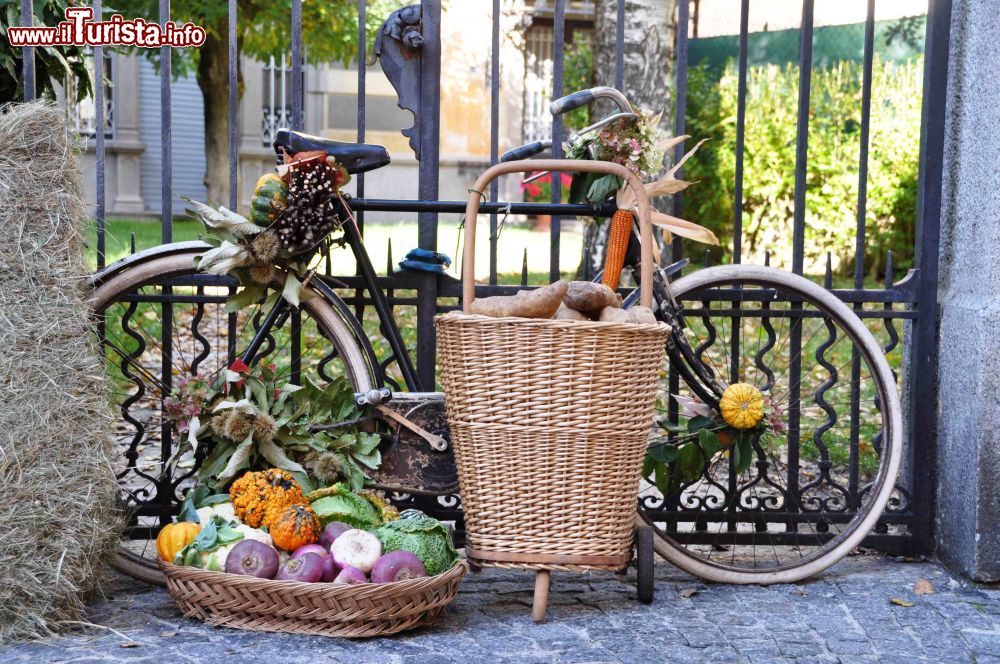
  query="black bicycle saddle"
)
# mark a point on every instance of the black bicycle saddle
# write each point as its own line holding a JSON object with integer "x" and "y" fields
{"x": 355, "y": 157}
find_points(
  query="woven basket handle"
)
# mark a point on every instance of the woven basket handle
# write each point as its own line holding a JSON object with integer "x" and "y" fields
{"x": 557, "y": 165}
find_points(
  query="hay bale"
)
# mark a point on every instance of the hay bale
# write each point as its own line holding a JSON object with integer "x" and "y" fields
{"x": 58, "y": 516}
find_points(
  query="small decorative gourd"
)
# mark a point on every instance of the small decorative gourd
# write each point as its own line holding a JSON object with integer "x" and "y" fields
{"x": 174, "y": 537}
{"x": 270, "y": 196}
{"x": 296, "y": 526}
{"x": 259, "y": 497}
{"x": 742, "y": 406}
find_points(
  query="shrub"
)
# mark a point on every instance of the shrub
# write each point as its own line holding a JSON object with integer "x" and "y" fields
{"x": 832, "y": 172}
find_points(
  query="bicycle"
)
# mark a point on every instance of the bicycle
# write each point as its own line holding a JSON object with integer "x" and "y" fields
{"x": 747, "y": 508}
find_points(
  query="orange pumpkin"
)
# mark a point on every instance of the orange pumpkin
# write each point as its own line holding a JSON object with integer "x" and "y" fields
{"x": 174, "y": 537}
{"x": 296, "y": 526}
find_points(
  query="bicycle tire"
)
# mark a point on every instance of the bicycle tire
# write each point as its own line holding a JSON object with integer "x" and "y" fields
{"x": 331, "y": 315}
{"x": 882, "y": 487}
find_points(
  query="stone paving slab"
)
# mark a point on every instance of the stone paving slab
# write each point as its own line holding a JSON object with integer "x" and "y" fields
{"x": 846, "y": 615}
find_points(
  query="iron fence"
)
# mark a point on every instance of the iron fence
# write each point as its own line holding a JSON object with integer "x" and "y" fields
{"x": 910, "y": 302}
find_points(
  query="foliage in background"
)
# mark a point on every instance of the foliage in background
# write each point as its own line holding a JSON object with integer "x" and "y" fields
{"x": 578, "y": 74}
{"x": 329, "y": 33}
{"x": 832, "y": 174}
{"x": 53, "y": 64}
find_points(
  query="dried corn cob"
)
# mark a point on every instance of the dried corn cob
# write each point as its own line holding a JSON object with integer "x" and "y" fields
{"x": 618, "y": 236}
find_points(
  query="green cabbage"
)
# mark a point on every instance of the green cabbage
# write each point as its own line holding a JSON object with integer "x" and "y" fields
{"x": 340, "y": 504}
{"x": 423, "y": 536}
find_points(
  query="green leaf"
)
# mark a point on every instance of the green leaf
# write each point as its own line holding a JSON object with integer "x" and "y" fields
{"x": 276, "y": 456}
{"x": 370, "y": 459}
{"x": 192, "y": 501}
{"x": 603, "y": 187}
{"x": 709, "y": 442}
{"x": 245, "y": 298}
{"x": 366, "y": 442}
{"x": 662, "y": 453}
{"x": 690, "y": 462}
{"x": 259, "y": 391}
{"x": 239, "y": 460}
{"x": 292, "y": 289}
{"x": 743, "y": 452}
{"x": 698, "y": 422}
{"x": 663, "y": 479}
{"x": 216, "y": 460}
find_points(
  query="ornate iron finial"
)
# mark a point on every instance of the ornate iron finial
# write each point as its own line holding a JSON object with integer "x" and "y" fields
{"x": 397, "y": 46}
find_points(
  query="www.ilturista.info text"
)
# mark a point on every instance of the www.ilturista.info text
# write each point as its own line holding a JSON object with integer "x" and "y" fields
{"x": 80, "y": 30}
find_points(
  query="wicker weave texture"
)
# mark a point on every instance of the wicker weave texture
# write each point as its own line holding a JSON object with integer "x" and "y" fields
{"x": 549, "y": 421}
{"x": 551, "y": 373}
{"x": 323, "y": 609}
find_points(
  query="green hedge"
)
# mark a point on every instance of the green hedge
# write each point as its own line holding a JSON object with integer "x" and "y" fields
{"x": 834, "y": 147}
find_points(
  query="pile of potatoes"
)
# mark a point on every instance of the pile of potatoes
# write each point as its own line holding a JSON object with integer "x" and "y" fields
{"x": 574, "y": 300}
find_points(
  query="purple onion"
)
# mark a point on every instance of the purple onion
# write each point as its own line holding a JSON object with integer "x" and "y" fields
{"x": 307, "y": 568}
{"x": 252, "y": 558}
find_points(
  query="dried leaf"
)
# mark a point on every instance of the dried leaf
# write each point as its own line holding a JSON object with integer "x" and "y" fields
{"x": 666, "y": 186}
{"x": 687, "y": 593}
{"x": 677, "y": 166}
{"x": 923, "y": 587}
{"x": 129, "y": 644}
{"x": 167, "y": 635}
{"x": 688, "y": 229}
{"x": 671, "y": 142}
{"x": 898, "y": 601}
{"x": 223, "y": 218}
{"x": 223, "y": 258}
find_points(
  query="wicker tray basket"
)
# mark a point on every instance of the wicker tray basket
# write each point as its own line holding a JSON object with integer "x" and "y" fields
{"x": 549, "y": 419}
{"x": 362, "y": 610}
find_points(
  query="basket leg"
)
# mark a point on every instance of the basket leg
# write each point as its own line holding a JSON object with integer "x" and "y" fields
{"x": 644, "y": 562}
{"x": 541, "y": 601}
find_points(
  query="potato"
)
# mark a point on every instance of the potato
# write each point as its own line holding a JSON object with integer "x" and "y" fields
{"x": 641, "y": 314}
{"x": 615, "y": 315}
{"x": 589, "y": 298}
{"x": 565, "y": 313}
{"x": 539, "y": 303}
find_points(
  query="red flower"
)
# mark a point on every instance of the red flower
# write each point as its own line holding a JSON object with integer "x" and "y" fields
{"x": 239, "y": 366}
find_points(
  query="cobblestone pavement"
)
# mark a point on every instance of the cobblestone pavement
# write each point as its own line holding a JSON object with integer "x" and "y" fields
{"x": 846, "y": 615}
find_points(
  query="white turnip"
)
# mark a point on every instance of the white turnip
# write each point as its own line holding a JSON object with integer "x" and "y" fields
{"x": 356, "y": 548}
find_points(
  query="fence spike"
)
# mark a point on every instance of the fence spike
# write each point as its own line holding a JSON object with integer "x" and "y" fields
{"x": 388, "y": 260}
{"x": 767, "y": 259}
{"x": 132, "y": 244}
{"x": 828, "y": 278}
{"x": 524, "y": 268}
{"x": 888, "y": 269}
{"x": 708, "y": 258}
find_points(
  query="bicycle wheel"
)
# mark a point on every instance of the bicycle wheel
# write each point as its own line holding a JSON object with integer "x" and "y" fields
{"x": 783, "y": 505}
{"x": 160, "y": 295}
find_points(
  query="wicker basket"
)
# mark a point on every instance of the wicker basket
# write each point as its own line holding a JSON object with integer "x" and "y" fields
{"x": 549, "y": 420}
{"x": 362, "y": 610}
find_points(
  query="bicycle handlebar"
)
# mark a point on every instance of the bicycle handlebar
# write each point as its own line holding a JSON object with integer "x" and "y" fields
{"x": 526, "y": 151}
{"x": 584, "y": 97}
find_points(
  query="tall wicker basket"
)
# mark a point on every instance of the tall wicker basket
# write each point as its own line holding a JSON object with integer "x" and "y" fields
{"x": 549, "y": 419}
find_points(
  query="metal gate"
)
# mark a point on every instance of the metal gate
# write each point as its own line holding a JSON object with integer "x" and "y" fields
{"x": 908, "y": 306}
